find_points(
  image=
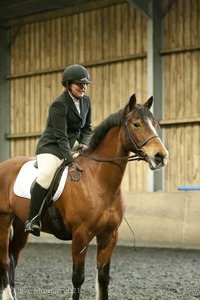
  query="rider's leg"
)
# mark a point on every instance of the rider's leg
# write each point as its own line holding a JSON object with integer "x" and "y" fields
{"x": 47, "y": 166}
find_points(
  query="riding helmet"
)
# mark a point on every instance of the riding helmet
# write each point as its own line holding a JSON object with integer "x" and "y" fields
{"x": 75, "y": 73}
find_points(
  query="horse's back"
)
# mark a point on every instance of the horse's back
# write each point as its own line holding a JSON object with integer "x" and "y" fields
{"x": 9, "y": 170}
{"x": 12, "y": 166}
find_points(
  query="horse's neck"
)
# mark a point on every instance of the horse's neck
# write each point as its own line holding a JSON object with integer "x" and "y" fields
{"x": 110, "y": 148}
{"x": 111, "y": 145}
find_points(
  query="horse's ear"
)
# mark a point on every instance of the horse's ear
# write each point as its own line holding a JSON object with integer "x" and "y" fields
{"x": 132, "y": 102}
{"x": 148, "y": 103}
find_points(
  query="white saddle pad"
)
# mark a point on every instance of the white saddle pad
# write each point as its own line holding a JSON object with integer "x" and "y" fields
{"x": 27, "y": 175}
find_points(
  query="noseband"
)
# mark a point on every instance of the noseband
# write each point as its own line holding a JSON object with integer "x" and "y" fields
{"x": 138, "y": 147}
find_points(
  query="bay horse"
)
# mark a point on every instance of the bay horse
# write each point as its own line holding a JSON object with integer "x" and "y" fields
{"x": 91, "y": 207}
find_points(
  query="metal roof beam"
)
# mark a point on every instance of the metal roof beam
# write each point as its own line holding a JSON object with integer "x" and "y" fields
{"x": 143, "y": 6}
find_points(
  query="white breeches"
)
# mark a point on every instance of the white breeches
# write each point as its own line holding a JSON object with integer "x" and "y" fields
{"x": 47, "y": 167}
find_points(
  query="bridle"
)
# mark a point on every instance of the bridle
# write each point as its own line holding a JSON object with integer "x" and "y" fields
{"x": 140, "y": 154}
{"x": 138, "y": 147}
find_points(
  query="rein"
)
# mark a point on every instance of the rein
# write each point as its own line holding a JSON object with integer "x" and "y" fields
{"x": 100, "y": 159}
{"x": 140, "y": 154}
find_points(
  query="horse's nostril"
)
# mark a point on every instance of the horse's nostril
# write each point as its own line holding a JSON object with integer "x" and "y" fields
{"x": 159, "y": 157}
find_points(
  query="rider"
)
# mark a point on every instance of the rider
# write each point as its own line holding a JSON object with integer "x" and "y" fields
{"x": 68, "y": 125}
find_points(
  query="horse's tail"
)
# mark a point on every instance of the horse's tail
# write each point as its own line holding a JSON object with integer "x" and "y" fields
{"x": 17, "y": 241}
{"x": 11, "y": 233}
{"x": 12, "y": 262}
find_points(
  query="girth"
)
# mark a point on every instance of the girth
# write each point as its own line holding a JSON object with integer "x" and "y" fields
{"x": 55, "y": 223}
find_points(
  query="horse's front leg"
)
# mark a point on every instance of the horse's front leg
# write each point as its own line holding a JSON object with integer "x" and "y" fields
{"x": 106, "y": 245}
{"x": 79, "y": 249}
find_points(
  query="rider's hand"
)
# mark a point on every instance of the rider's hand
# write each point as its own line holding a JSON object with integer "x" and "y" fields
{"x": 83, "y": 147}
{"x": 74, "y": 170}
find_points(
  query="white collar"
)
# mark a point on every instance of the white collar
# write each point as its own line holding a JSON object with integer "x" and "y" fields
{"x": 74, "y": 98}
{"x": 76, "y": 102}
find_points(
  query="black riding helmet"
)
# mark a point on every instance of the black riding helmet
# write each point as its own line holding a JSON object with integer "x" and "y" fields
{"x": 75, "y": 73}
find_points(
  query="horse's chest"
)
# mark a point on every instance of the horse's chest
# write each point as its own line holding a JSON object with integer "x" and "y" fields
{"x": 109, "y": 219}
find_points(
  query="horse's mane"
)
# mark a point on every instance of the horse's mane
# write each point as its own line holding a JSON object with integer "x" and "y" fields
{"x": 100, "y": 131}
{"x": 117, "y": 119}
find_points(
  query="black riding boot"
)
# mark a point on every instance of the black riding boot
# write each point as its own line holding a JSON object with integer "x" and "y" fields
{"x": 32, "y": 224}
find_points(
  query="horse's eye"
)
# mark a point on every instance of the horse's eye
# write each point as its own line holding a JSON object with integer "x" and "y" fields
{"x": 136, "y": 124}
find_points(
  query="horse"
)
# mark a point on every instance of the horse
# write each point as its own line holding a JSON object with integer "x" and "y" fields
{"x": 92, "y": 207}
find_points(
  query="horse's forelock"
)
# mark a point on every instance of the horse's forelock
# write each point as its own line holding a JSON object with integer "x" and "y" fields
{"x": 144, "y": 114}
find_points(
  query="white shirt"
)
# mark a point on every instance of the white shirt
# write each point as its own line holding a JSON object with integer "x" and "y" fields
{"x": 76, "y": 102}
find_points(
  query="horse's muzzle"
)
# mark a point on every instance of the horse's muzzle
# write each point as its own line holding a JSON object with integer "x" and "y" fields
{"x": 158, "y": 161}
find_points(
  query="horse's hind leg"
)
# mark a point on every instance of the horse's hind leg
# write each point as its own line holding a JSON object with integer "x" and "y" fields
{"x": 18, "y": 241}
{"x": 5, "y": 224}
{"x": 106, "y": 245}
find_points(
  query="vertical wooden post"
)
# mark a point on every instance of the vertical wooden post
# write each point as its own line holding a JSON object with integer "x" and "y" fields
{"x": 4, "y": 94}
{"x": 155, "y": 76}
{"x": 153, "y": 10}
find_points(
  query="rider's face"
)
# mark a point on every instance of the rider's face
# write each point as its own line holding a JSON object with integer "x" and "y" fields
{"x": 78, "y": 89}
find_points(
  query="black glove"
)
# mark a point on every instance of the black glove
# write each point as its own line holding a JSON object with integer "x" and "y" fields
{"x": 74, "y": 170}
{"x": 67, "y": 163}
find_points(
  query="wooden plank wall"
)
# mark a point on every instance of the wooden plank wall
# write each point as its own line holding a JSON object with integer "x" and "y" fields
{"x": 111, "y": 42}
{"x": 181, "y": 58}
